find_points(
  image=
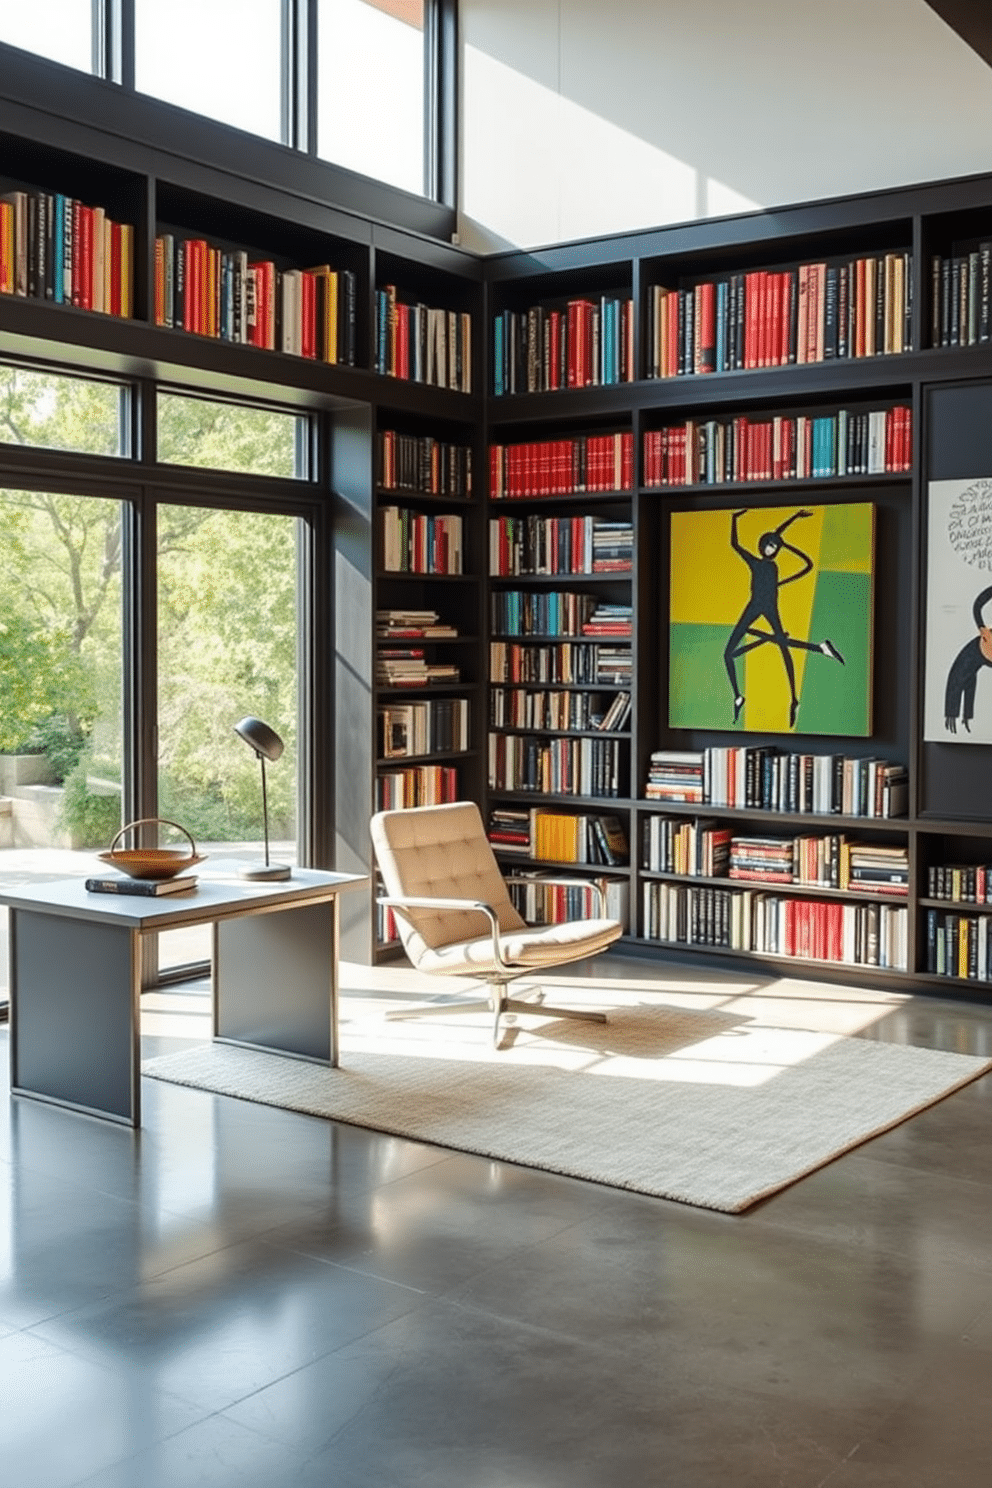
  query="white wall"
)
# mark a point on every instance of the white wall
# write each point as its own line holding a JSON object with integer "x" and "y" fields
{"x": 581, "y": 117}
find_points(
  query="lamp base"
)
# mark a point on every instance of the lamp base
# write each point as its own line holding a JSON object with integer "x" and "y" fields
{"x": 273, "y": 873}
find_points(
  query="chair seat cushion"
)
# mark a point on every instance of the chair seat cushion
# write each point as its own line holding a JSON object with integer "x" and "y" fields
{"x": 548, "y": 945}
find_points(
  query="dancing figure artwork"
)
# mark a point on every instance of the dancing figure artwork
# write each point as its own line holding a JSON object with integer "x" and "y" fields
{"x": 770, "y": 619}
{"x": 760, "y": 623}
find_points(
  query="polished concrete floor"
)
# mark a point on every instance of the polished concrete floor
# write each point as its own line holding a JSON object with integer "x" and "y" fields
{"x": 242, "y": 1296}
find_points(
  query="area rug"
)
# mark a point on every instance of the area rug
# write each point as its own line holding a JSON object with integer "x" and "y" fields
{"x": 707, "y": 1107}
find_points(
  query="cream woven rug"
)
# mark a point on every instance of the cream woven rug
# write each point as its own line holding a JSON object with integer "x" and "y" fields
{"x": 711, "y": 1106}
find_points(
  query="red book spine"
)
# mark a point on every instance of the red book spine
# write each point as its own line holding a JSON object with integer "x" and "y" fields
{"x": 403, "y": 342}
{"x": 86, "y": 268}
{"x": 777, "y": 319}
{"x": 802, "y": 318}
{"x": 77, "y": 251}
{"x": 308, "y": 297}
{"x": 707, "y": 327}
{"x": 751, "y": 313}
{"x": 764, "y": 318}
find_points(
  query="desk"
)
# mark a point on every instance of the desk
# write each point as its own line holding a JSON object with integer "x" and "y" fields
{"x": 75, "y": 979}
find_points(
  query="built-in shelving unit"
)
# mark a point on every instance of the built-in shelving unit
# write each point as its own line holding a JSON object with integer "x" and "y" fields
{"x": 793, "y": 361}
{"x": 831, "y": 352}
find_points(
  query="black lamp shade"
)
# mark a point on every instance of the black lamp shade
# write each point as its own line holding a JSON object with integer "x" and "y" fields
{"x": 264, "y": 740}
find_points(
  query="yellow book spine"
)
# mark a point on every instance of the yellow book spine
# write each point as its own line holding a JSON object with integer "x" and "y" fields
{"x": 127, "y": 268}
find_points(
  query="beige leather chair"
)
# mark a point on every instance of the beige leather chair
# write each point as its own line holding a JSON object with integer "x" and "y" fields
{"x": 455, "y": 916}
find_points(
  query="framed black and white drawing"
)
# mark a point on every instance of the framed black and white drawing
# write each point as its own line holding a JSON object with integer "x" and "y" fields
{"x": 958, "y": 666}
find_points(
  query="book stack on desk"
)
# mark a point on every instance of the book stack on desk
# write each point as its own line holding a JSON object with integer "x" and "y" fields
{"x": 148, "y": 888}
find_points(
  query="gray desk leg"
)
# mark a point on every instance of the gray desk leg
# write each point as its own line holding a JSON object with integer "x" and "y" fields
{"x": 275, "y": 981}
{"x": 74, "y": 989}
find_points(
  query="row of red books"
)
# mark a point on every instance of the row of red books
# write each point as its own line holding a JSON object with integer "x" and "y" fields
{"x": 209, "y": 291}
{"x": 771, "y": 318}
{"x": 561, "y": 467}
{"x": 873, "y": 442}
{"x": 588, "y": 343}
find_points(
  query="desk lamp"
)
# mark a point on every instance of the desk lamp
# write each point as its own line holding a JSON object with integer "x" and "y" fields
{"x": 267, "y": 746}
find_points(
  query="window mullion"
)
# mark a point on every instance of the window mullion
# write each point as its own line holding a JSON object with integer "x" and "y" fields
{"x": 113, "y": 41}
{"x": 299, "y": 78}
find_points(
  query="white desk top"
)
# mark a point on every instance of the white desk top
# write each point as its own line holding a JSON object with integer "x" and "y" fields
{"x": 217, "y": 896}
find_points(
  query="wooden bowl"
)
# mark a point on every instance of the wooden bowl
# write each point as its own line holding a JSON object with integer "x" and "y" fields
{"x": 151, "y": 862}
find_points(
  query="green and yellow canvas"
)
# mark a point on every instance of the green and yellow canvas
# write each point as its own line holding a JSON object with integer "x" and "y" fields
{"x": 771, "y": 619}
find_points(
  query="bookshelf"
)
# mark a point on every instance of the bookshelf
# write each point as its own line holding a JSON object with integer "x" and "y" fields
{"x": 563, "y": 468}
{"x": 760, "y": 414}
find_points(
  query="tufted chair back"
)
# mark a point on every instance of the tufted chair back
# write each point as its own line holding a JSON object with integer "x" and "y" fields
{"x": 442, "y": 852}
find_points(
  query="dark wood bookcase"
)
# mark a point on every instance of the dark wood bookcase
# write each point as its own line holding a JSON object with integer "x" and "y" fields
{"x": 104, "y": 149}
{"x": 949, "y": 815}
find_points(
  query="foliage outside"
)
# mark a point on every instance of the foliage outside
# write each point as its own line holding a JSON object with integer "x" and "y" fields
{"x": 227, "y": 617}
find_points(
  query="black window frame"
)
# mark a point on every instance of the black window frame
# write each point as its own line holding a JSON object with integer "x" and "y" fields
{"x": 113, "y": 60}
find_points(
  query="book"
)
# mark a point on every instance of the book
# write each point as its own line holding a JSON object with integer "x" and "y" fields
{"x": 142, "y": 888}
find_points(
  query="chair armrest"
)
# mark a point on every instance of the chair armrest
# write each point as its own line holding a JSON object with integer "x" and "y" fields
{"x": 568, "y": 883}
{"x": 401, "y": 902}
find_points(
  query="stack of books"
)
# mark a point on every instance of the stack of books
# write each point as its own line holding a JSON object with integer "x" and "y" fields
{"x": 142, "y": 888}
{"x": 407, "y": 666}
{"x": 609, "y": 620}
{"x": 425, "y": 625}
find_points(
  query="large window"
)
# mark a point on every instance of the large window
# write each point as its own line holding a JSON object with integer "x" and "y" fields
{"x": 171, "y": 560}
{"x": 370, "y": 72}
{"x": 232, "y": 436}
{"x": 60, "y": 680}
{"x": 61, "y": 30}
{"x": 365, "y": 98}
{"x": 227, "y": 646}
{"x": 221, "y": 58}
{"x": 47, "y": 410}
